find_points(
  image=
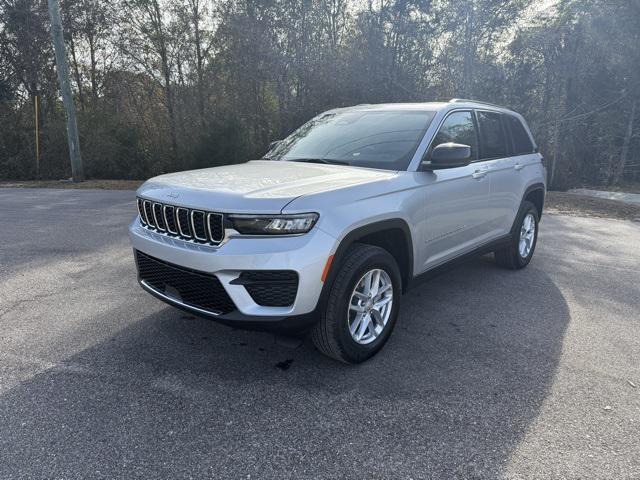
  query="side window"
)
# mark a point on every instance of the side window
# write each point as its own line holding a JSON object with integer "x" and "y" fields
{"x": 458, "y": 128}
{"x": 493, "y": 143}
{"x": 519, "y": 137}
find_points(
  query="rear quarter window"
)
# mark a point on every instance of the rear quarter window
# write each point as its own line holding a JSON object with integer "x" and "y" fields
{"x": 521, "y": 142}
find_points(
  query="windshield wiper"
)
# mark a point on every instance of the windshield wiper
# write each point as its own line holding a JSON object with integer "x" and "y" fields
{"x": 318, "y": 160}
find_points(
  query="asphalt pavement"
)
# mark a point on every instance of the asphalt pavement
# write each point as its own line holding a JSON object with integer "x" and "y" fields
{"x": 489, "y": 373}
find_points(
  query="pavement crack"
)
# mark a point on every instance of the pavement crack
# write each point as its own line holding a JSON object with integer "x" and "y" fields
{"x": 23, "y": 301}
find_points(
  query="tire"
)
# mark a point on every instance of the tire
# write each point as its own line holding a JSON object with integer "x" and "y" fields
{"x": 332, "y": 334}
{"x": 512, "y": 256}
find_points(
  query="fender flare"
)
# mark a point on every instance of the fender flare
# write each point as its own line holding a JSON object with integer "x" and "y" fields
{"x": 531, "y": 188}
{"x": 362, "y": 231}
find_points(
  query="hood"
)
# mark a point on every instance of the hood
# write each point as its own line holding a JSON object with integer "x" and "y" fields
{"x": 259, "y": 186}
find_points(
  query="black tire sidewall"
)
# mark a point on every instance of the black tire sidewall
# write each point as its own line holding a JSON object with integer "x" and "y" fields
{"x": 337, "y": 308}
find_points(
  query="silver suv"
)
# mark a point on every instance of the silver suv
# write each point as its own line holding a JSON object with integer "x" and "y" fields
{"x": 335, "y": 222}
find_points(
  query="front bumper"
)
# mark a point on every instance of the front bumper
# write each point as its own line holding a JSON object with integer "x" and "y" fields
{"x": 305, "y": 254}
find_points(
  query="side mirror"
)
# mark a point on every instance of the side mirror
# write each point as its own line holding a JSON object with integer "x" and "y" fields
{"x": 448, "y": 155}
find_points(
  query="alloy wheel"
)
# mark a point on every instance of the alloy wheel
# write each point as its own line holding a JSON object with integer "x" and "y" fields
{"x": 527, "y": 235}
{"x": 370, "y": 306}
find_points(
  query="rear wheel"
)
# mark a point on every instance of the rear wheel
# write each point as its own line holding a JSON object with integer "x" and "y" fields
{"x": 362, "y": 307}
{"x": 523, "y": 240}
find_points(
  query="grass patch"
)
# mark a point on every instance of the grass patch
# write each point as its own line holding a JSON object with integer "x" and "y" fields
{"x": 91, "y": 184}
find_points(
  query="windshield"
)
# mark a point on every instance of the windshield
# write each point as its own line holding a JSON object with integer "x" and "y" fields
{"x": 364, "y": 138}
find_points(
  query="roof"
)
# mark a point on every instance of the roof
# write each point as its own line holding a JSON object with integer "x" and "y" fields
{"x": 397, "y": 106}
{"x": 453, "y": 103}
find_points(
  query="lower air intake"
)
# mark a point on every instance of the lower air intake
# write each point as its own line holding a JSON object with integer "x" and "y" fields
{"x": 270, "y": 288}
{"x": 191, "y": 288}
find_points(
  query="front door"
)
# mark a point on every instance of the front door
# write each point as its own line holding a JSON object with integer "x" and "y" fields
{"x": 455, "y": 199}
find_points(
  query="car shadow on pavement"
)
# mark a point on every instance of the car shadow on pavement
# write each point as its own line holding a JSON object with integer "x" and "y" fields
{"x": 452, "y": 394}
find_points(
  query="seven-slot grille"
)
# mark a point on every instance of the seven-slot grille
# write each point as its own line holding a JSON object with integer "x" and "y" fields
{"x": 189, "y": 287}
{"x": 197, "y": 225}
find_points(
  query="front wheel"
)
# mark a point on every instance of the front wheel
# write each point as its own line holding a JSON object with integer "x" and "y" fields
{"x": 362, "y": 307}
{"x": 523, "y": 240}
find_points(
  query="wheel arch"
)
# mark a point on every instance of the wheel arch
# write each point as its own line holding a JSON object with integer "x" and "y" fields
{"x": 392, "y": 235}
{"x": 535, "y": 194}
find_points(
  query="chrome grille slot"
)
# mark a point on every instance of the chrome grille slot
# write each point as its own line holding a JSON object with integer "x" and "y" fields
{"x": 170, "y": 219}
{"x": 197, "y": 225}
{"x": 148, "y": 213}
{"x": 141, "y": 211}
{"x": 158, "y": 217}
{"x": 215, "y": 227}
{"x": 183, "y": 222}
{"x": 191, "y": 225}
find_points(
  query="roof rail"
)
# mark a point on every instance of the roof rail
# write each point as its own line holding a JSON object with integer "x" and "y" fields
{"x": 466, "y": 100}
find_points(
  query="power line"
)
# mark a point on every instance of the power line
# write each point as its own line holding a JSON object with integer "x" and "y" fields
{"x": 595, "y": 110}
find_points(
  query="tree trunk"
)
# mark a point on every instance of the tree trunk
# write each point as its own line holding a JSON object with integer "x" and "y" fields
{"x": 76, "y": 72}
{"x": 556, "y": 152}
{"x": 199, "y": 59}
{"x": 169, "y": 99}
{"x": 467, "y": 66}
{"x": 625, "y": 145}
{"x": 166, "y": 73}
{"x": 94, "y": 66}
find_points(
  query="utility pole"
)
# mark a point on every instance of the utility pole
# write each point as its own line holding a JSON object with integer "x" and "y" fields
{"x": 36, "y": 114}
{"x": 65, "y": 88}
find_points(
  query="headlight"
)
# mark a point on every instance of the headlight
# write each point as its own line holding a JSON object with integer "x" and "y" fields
{"x": 273, "y": 224}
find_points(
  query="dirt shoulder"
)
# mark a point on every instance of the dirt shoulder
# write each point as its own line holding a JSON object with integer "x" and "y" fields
{"x": 556, "y": 202}
{"x": 584, "y": 206}
{"x": 90, "y": 184}
{"x": 627, "y": 187}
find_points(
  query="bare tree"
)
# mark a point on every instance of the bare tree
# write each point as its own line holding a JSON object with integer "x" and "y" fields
{"x": 170, "y": 84}
{"x": 147, "y": 42}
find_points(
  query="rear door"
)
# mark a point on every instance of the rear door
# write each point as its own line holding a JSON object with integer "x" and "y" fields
{"x": 455, "y": 198}
{"x": 495, "y": 153}
{"x": 525, "y": 161}
{"x": 507, "y": 172}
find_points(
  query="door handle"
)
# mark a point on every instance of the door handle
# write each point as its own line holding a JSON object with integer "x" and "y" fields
{"x": 479, "y": 173}
{"x": 518, "y": 166}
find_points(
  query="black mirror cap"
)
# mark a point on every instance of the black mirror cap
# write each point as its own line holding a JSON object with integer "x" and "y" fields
{"x": 448, "y": 155}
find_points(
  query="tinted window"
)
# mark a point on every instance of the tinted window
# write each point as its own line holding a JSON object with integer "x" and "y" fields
{"x": 458, "y": 128}
{"x": 519, "y": 136}
{"x": 492, "y": 139}
{"x": 365, "y": 138}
